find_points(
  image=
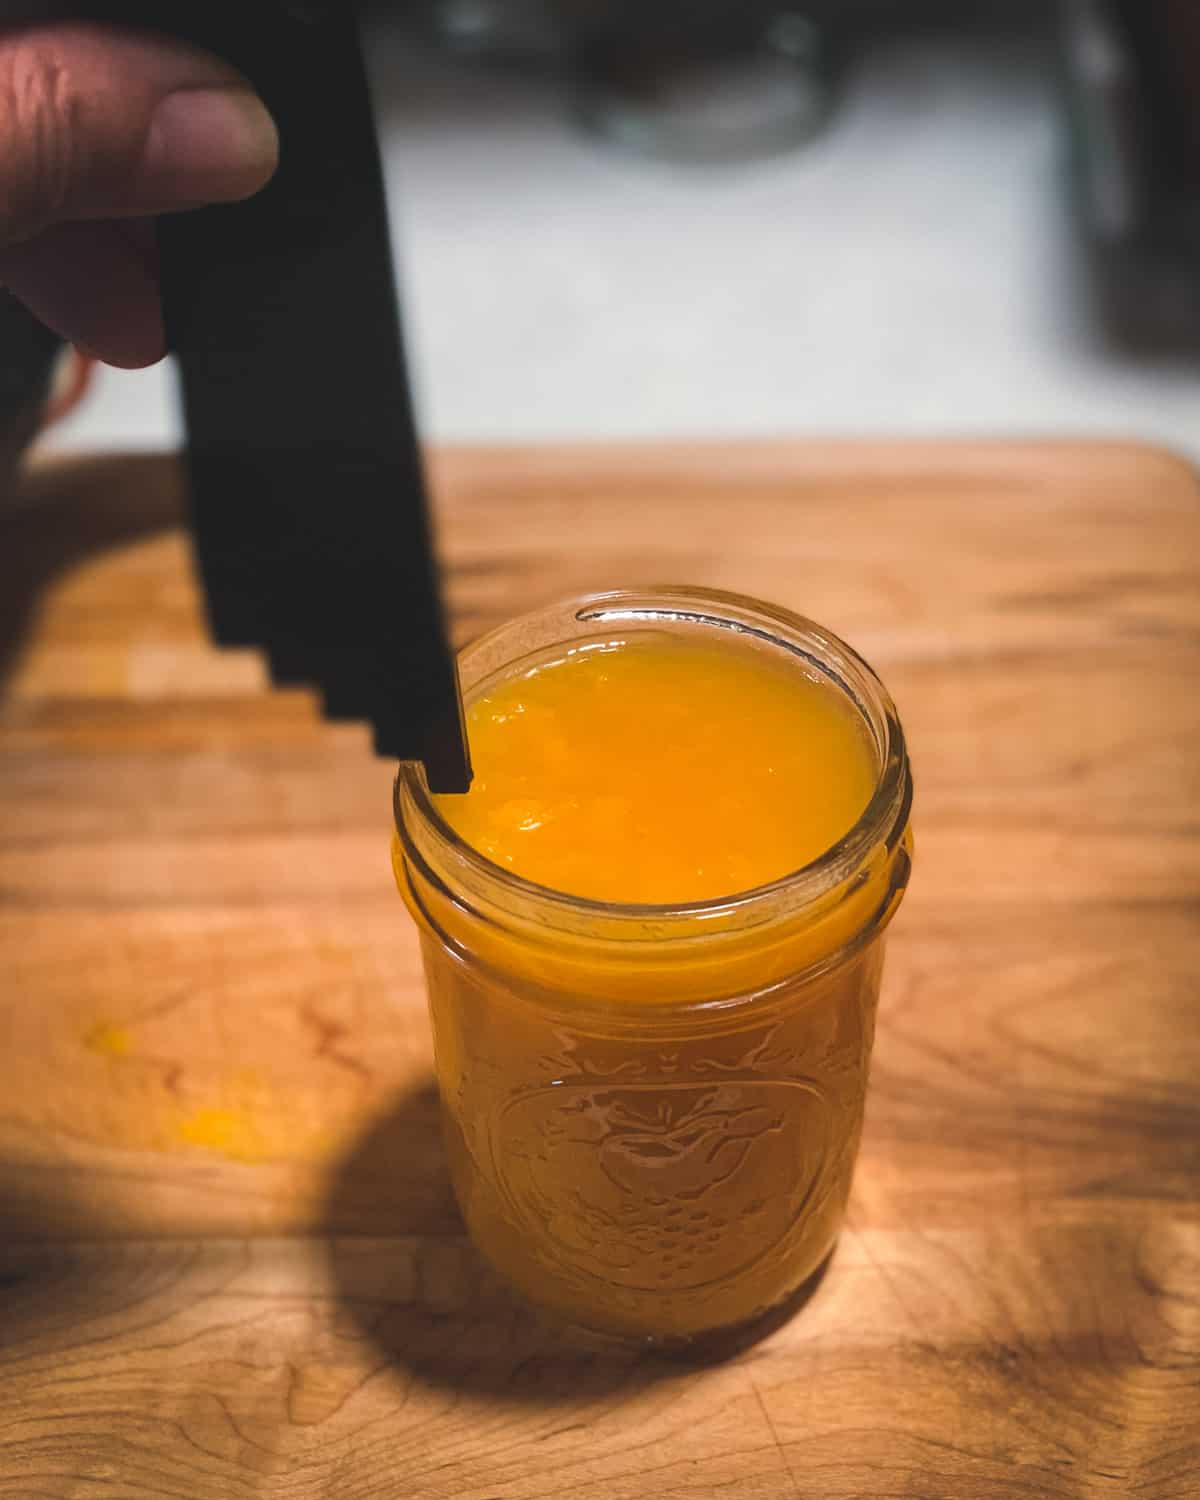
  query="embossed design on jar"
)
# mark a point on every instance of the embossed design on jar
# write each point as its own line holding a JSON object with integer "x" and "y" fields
{"x": 664, "y": 1183}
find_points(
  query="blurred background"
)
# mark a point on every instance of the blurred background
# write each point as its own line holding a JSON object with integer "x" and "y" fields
{"x": 741, "y": 218}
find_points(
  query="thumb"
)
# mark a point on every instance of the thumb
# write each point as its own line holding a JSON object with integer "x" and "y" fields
{"x": 106, "y": 124}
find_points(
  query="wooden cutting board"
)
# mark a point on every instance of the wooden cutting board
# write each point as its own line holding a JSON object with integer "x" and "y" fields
{"x": 231, "y": 1263}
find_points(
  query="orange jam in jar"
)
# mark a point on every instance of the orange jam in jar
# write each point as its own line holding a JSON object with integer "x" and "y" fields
{"x": 652, "y": 934}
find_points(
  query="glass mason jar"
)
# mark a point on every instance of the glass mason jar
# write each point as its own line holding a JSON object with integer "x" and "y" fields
{"x": 652, "y": 1113}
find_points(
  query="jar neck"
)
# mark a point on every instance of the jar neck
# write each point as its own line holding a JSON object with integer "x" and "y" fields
{"x": 713, "y": 950}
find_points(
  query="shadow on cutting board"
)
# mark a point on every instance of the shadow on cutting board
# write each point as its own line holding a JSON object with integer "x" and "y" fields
{"x": 68, "y": 511}
{"x": 425, "y": 1298}
{"x": 429, "y": 1302}
{"x": 52, "y": 1280}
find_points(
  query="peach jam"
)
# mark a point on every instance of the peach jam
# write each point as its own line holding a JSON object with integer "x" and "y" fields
{"x": 653, "y": 935}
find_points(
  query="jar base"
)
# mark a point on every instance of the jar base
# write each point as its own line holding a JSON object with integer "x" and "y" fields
{"x": 714, "y": 1346}
{"x": 717, "y": 1345}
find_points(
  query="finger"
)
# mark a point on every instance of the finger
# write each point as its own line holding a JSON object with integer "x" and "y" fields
{"x": 70, "y": 388}
{"x": 94, "y": 284}
{"x": 100, "y": 123}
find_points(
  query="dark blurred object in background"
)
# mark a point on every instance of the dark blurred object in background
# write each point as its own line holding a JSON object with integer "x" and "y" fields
{"x": 705, "y": 80}
{"x": 700, "y": 80}
{"x": 730, "y": 80}
{"x": 1132, "y": 71}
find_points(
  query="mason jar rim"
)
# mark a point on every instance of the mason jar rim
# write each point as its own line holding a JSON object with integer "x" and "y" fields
{"x": 882, "y": 822}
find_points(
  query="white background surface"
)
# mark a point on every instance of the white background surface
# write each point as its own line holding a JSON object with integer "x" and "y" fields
{"x": 914, "y": 270}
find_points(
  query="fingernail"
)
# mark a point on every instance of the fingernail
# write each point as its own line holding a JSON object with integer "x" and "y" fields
{"x": 209, "y": 145}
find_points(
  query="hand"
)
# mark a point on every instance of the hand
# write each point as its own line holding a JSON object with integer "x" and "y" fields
{"x": 100, "y": 130}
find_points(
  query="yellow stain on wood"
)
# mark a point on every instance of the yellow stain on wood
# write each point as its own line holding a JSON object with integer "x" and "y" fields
{"x": 108, "y": 1040}
{"x": 245, "y": 1120}
{"x": 232, "y": 1132}
{"x": 262, "y": 1132}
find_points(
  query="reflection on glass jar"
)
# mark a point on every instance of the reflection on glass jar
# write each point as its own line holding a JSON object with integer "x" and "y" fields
{"x": 652, "y": 1113}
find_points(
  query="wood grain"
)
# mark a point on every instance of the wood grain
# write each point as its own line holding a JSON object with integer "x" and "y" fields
{"x": 231, "y": 1263}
